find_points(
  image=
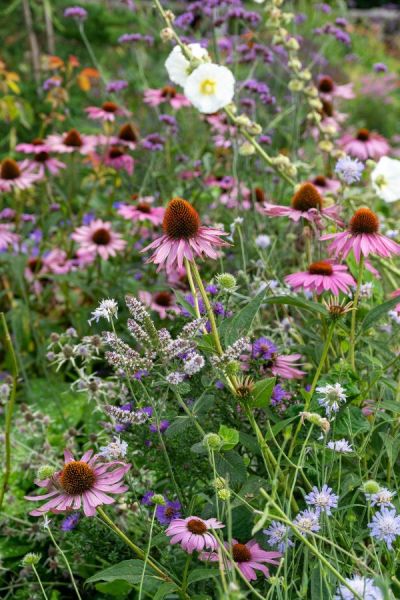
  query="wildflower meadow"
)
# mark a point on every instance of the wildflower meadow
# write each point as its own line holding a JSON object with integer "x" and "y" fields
{"x": 200, "y": 300}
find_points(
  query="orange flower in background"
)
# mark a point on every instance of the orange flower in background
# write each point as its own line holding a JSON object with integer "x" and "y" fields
{"x": 86, "y": 78}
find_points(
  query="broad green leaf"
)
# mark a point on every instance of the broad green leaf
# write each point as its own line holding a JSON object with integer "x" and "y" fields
{"x": 262, "y": 393}
{"x": 202, "y": 573}
{"x": 377, "y": 313}
{"x": 319, "y": 588}
{"x": 230, "y": 465}
{"x": 127, "y": 570}
{"x": 164, "y": 589}
{"x": 240, "y": 324}
{"x": 299, "y": 303}
{"x": 177, "y": 426}
{"x": 230, "y": 437}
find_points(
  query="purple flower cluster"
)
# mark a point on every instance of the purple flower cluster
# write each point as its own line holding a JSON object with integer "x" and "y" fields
{"x": 153, "y": 142}
{"x": 75, "y": 12}
{"x": 126, "y": 38}
{"x": 165, "y": 513}
{"x": 260, "y": 88}
{"x": 117, "y": 85}
{"x": 337, "y": 32}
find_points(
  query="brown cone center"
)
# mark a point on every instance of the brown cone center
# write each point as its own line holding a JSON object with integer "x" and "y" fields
{"x": 42, "y": 157}
{"x": 9, "y": 169}
{"x": 168, "y": 92}
{"x": 259, "y": 195}
{"x": 320, "y": 180}
{"x": 101, "y": 237}
{"x": 73, "y": 139}
{"x": 241, "y": 553}
{"x": 143, "y": 207}
{"x": 320, "y": 268}
{"x": 196, "y": 526}
{"x": 109, "y": 107}
{"x": 77, "y": 477}
{"x": 326, "y": 85}
{"x": 163, "y": 299}
{"x": 37, "y": 142}
{"x": 127, "y": 133}
{"x": 115, "y": 152}
{"x": 363, "y": 135}
{"x": 364, "y": 221}
{"x": 181, "y": 220}
{"x": 306, "y": 197}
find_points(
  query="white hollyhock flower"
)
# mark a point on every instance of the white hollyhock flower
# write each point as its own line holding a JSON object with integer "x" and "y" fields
{"x": 386, "y": 179}
{"x": 178, "y": 66}
{"x": 210, "y": 87}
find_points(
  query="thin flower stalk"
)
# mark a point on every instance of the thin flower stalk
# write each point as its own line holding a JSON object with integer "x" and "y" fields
{"x": 354, "y": 314}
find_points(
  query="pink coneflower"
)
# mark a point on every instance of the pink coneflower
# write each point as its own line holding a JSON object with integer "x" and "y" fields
{"x": 307, "y": 203}
{"x": 184, "y": 237}
{"x": 117, "y": 158}
{"x": 142, "y": 211}
{"x": 7, "y": 237}
{"x": 13, "y": 176}
{"x": 162, "y": 302}
{"x": 128, "y": 136}
{"x": 321, "y": 277}
{"x": 287, "y": 366}
{"x": 106, "y": 112}
{"x": 248, "y": 558}
{"x": 72, "y": 141}
{"x": 98, "y": 238}
{"x": 193, "y": 533}
{"x": 365, "y": 144}
{"x": 35, "y": 147}
{"x": 363, "y": 237}
{"x": 328, "y": 89}
{"x": 154, "y": 97}
{"x": 325, "y": 185}
{"x": 41, "y": 163}
{"x": 85, "y": 482}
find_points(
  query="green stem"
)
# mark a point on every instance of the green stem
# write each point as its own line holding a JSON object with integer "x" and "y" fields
{"x": 207, "y": 304}
{"x": 90, "y": 51}
{"x": 40, "y": 582}
{"x": 66, "y": 562}
{"x": 354, "y": 314}
{"x": 10, "y": 406}
{"x": 192, "y": 288}
{"x": 146, "y": 558}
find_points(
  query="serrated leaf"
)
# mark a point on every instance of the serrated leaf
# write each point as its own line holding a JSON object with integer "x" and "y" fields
{"x": 229, "y": 436}
{"x": 230, "y": 465}
{"x": 377, "y": 313}
{"x": 177, "y": 426}
{"x": 299, "y": 303}
{"x": 262, "y": 392}
{"x": 241, "y": 323}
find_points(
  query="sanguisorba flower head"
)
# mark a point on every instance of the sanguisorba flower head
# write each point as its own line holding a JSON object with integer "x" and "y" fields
{"x": 85, "y": 482}
{"x": 210, "y": 87}
{"x": 306, "y": 203}
{"x": 194, "y": 533}
{"x": 322, "y": 276}
{"x": 184, "y": 237}
{"x": 363, "y": 237}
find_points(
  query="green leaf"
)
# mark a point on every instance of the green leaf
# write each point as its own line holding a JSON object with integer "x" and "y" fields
{"x": 127, "y": 570}
{"x": 262, "y": 392}
{"x": 319, "y": 588}
{"x": 299, "y": 303}
{"x": 230, "y": 465}
{"x": 119, "y": 589}
{"x": 392, "y": 446}
{"x": 230, "y": 437}
{"x": 177, "y": 426}
{"x": 202, "y": 573}
{"x": 240, "y": 324}
{"x": 377, "y": 313}
{"x": 164, "y": 589}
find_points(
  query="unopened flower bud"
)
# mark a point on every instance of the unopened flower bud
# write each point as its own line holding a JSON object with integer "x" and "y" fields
{"x": 295, "y": 85}
{"x": 30, "y": 559}
{"x": 212, "y": 440}
{"x": 371, "y": 487}
{"x": 232, "y": 368}
{"x": 166, "y": 34}
{"x": 226, "y": 281}
{"x": 325, "y": 146}
{"x": 45, "y": 472}
{"x": 158, "y": 499}
{"x": 169, "y": 15}
{"x": 224, "y": 494}
{"x": 295, "y": 64}
{"x": 292, "y": 44}
{"x": 316, "y": 419}
{"x": 219, "y": 483}
{"x": 246, "y": 149}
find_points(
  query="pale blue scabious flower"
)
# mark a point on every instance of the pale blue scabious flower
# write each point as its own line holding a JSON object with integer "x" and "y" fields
{"x": 332, "y": 397}
{"x": 382, "y": 498}
{"x": 349, "y": 169}
{"x": 323, "y": 500}
{"x": 307, "y": 521}
{"x": 385, "y": 526}
{"x": 363, "y": 586}
{"x": 278, "y": 536}
{"x": 342, "y": 446}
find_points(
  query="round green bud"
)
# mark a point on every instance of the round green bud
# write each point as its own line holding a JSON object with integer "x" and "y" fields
{"x": 224, "y": 494}
{"x": 46, "y": 471}
{"x": 226, "y": 281}
{"x": 30, "y": 559}
{"x": 219, "y": 483}
{"x": 371, "y": 487}
{"x": 212, "y": 440}
{"x": 158, "y": 499}
{"x": 232, "y": 368}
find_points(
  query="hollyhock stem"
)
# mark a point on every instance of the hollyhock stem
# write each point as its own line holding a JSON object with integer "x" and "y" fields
{"x": 10, "y": 406}
{"x": 138, "y": 551}
{"x": 39, "y": 582}
{"x": 354, "y": 314}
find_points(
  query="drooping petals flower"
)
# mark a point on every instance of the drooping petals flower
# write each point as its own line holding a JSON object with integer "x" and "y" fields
{"x": 363, "y": 237}
{"x": 161, "y": 302}
{"x": 142, "y": 211}
{"x": 249, "y": 558}
{"x": 72, "y": 141}
{"x": 286, "y": 366}
{"x": 15, "y": 176}
{"x": 154, "y": 97}
{"x": 7, "y": 236}
{"x": 184, "y": 237}
{"x": 106, "y": 112}
{"x": 328, "y": 89}
{"x": 321, "y": 277}
{"x": 365, "y": 144}
{"x": 210, "y": 87}
{"x": 325, "y": 185}
{"x": 98, "y": 238}
{"x": 194, "y": 533}
{"x": 83, "y": 483}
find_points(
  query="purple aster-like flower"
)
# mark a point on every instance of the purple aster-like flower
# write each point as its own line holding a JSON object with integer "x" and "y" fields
{"x": 165, "y": 513}
{"x": 146, "y": 500}
{"x": 278, "y": 536}
{"x": 153, "y": 142}
{"x": 70, "y": 522}
{"x": 264, "y": 348}
{"x": 385, "y": 526}
{"x": 279, "y": 394}
{"x": 162, "y": 426}
{"x": 349, "y": 169}
{"x": 75, "y": 12}
{"x": 323, "y": 500}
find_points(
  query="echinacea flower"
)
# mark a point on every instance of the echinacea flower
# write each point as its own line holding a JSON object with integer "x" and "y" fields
{"x": 162, "y": 302}
{"x": 128, "y": 135}
{"x": 168, "y": 93}
{"x": 85, "y": 482}
{"x": 328, "y": 89}
{"x": 363, "y": 586}
{"x": 363, "y": 237}
{"x": 248, "y": 558}
{"x": 118, "y": 159}
{"x": 184, "y": 237}
{"x": 323, "y": 500}
{"x": 98, "y": 238}
{"x": 385, "y": 526}
{"x": 7, "y": 237}
{"x": 306, "y": 203}
{"x": 194, "y": 533}
{"x": 325, "y": 185}
{"x": 106, "y": 112}
{"x": 210, "y": 87}
{"x": 72, "y": 141}
{"x": 42, "y": 162}
{"x": 178, "y": 66}
{"x": 286, "y": 366}
{"x": 36, "y": 146}
{"x": 365, "y": 144}
{"x": 321, "y": 277}
{"x": 14, "y": 176}
{"x": 142, "y": 211}
{"x": 386, "y": 179}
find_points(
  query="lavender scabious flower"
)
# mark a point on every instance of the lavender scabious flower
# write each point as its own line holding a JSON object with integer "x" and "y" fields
{"x": 307, "y": 521}
{"x": 349, "y": 169}
{"x": 75, "y": 12}
{"x": 331, "y": 397}
{"x": 70, "y": 522}
{"x": 117, "y": 85}
{"x": 342, "y": 446}
{"x": 363, "y": 586}
{"x": 161, "y": 427}
{"x": 165, "y": 513}
{"x": 264, "y": 348}
{"x": 382, "y": 498}
{"x": 278, "y": 536}
{"x": 385, "y": 526}
{"x": 323, "y": 500}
